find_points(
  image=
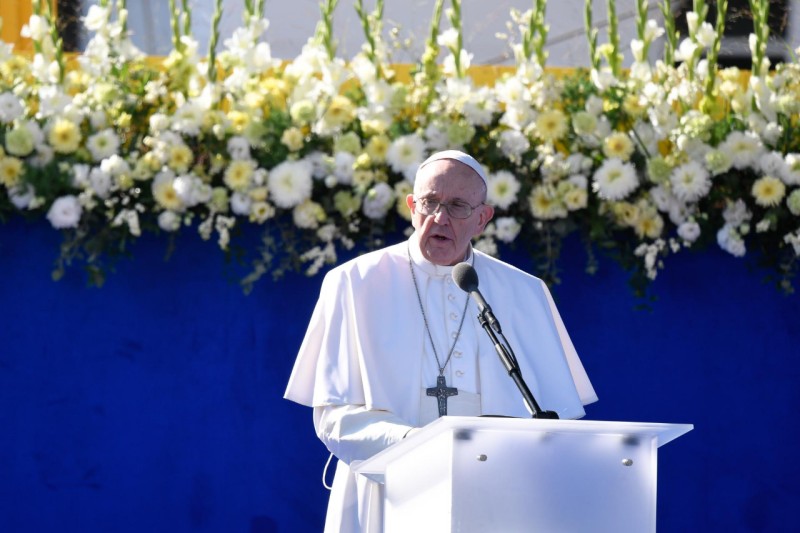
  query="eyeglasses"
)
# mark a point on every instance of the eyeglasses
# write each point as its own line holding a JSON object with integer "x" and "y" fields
{"x": 456, "y": 209}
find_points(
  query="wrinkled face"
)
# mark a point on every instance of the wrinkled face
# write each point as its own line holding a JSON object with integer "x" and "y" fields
{"x": 444, "y": 240}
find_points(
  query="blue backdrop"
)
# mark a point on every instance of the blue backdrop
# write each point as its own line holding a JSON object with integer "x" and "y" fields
{"x": 155, "y": 403}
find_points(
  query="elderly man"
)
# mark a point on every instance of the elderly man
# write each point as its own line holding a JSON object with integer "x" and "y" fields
{"x": 391, "y": 332}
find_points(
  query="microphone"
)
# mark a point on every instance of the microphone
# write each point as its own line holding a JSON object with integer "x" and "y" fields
{"x": 467, "y": 280}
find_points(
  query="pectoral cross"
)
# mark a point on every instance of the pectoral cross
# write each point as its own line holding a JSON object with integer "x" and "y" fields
{"x": 442, "y": 392}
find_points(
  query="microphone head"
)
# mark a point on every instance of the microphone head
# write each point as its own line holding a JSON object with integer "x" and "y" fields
{"x": 465, "y": 277}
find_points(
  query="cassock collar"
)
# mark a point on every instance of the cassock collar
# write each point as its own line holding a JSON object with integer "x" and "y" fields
{"x": 432, "y": 270}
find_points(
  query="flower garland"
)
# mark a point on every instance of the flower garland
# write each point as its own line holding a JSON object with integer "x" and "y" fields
{"x": 320, "y": 152}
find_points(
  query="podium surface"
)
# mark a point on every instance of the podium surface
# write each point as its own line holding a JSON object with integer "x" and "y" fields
{"x": 480, "y": 474}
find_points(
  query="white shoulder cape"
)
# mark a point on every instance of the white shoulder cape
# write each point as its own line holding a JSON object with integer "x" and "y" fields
{"x": 357, "y": 349}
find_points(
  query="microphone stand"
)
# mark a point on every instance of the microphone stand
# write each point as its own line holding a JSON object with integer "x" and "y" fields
{"x": 510, "y": 362}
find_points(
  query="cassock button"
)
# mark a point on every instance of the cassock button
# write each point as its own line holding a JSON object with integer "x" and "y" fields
{"x": 454, "y": 316}
{"x": 456, "y": 354}
{"x": 459, "y": 373}
{"x": 451, "y": 297}
{"x": 454, "y": 334}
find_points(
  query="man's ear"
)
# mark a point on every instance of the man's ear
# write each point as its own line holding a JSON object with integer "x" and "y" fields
{"x": 410, "y": 202}
{"x": 486, "y": 214}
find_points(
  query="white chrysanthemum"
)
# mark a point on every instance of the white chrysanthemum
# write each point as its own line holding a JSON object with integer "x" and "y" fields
{"x": 239, "y": 148}
{"x": 771, "y": 163}
{"x": 502, "y": 189}
{"x": 689, "y": 231}
{"x": 436, "y": 136}
{"x": 736, "y": 213}
{"x": 290, "y": 183}
{"x": 480, "y": 107}
{"x": 21, "y": 195}
{"x": 103, "y": 144}
{"x": 513, "y": 144}
{"x": 100, "y": 182}
{"x": 506, "y": 229}
{"x": 10, "y": 108}
{"x": 188, "y": 119}
{"x": 192, "y": 190}
{"x": 65, "y": 212}
{"x": 730, "y": 241}
{"x": 169, "y": 221}
{"x": 690, "y": 182}
{"x": 518, "y": 116}
{"x": 115, "y": 165}
{"x": 486, "y": 245}
{"x": 240, "y": 203}
{"x": 615, "y": 179}
{"x": 743, "y": 148}
{"x": 791, "y": 173}
{"x": 578, "y": 164}
{"x": 80, "y": 176}
{"x": 405, "y": 155}
{"x": 343, "y": 167}
{"x": 378, "y": 200}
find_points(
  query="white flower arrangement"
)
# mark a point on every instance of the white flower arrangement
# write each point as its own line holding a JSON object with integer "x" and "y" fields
{"x": 320, "y": 152}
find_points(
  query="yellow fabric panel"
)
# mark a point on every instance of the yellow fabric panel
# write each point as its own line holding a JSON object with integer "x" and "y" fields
{"x": 15, "y": 14}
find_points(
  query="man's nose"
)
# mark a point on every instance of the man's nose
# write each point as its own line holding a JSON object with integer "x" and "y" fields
{"x": 441, "y": 211}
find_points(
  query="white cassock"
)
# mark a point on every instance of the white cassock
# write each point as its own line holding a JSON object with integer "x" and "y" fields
{"x": 366, "y": 361}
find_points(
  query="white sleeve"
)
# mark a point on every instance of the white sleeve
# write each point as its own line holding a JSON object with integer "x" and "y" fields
{"x": 354, "y": 433}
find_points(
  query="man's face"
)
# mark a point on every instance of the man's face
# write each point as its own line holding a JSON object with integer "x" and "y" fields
{"x": 444, "y": 240}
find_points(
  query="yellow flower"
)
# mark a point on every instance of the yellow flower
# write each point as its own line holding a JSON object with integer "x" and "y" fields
{"x": 10, "y": 171}
{"x": 260, "y": 212}
{"x": 64, "y": 137}
{"x": 180, "y": 157}
{"x": 238, "y": 175}
{"x": 649, "y": 226}
{"x": 576, "y": 198}
{"x": 293, "y": 139}
{"x": 633, "y": 106}
{"x": 626, "y": 213}
{"x": 377, "y": 147}
{"x": 545, "y": 204}
{"x": 618, "y": 145}
{"x": 340, "y": 112}
{"x": 19, "y": 141}
{"x": 551, "y": 125}
{"x": 254, "y": 99}
{"x": 166, "y": 195}
{"x": 401, "y": 190}
{"x": 768, "y": 191}
{"x": 363, "y": 178}
{"x": 239, "y": 120}
{"x": 258, "y": 194}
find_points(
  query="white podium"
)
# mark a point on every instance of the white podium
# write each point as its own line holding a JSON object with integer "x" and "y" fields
{"x": 506, "y": 475}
